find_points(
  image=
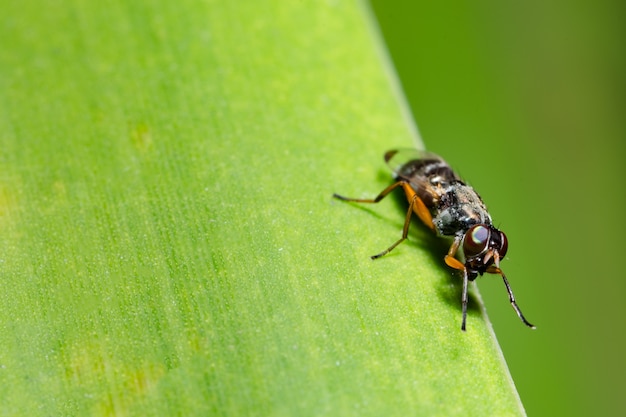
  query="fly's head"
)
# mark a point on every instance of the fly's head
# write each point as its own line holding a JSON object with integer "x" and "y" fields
{"x": 483, "y": 246}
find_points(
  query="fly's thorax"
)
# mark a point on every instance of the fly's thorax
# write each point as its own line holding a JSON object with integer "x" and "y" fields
{"x": 458, "y": 209}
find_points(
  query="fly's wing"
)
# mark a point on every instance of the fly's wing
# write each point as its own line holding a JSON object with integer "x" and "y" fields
{"x": 406, "y": 162}
{"x": 423, "y": 170}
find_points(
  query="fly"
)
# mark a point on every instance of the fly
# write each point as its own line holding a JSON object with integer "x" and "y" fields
{"x": 450, "y": 208}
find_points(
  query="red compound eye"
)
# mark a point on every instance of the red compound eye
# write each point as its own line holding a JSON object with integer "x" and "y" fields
{"x": 504, "y": 245}
{"x": 476, "y": 240}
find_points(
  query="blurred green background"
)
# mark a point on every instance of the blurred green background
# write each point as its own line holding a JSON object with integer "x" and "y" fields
{"x": 527, "y": 100}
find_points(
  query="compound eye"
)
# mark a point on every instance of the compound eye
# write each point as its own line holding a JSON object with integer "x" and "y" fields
{"x": 476, "y": 240}
{"x": 504, "y": 245}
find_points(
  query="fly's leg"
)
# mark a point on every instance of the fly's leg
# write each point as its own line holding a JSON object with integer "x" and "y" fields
{"x": 405, "y": 230}
{"x": 450, "y": 259}
{"x": 379, "y": 197}
{"x": 495, "y": 270}
{"x": 416, "y": 205}
{"x": 452, "y": 262}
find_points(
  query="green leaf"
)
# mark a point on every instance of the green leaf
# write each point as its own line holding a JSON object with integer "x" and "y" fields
{"x": 169, "y": 242}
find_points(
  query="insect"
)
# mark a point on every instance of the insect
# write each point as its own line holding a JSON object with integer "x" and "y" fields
{"x": 450, "y": 208}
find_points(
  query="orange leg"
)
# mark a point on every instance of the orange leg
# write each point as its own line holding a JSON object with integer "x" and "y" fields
{"x": 379, "y": 197}
{"x": 452, "y": 262}
{"x": 419, "y": 207}
{"x": 416, "y": 205}
{"x": 450, "y": 258}
{"x": 405, "y": 230}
